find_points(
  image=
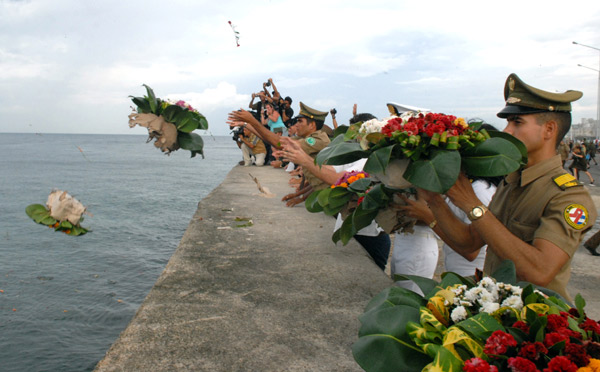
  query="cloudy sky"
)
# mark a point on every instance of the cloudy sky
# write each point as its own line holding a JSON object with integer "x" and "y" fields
{"x": 68, "y": 66}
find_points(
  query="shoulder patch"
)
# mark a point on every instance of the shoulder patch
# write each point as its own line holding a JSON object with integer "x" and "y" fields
{"x": 576, "y": 216}
{"x": 564, "y": 181}
{"x": 311, "y": 141}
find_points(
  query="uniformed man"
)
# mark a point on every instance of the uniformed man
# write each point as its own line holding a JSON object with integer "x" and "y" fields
{"x": 539, "y": 214}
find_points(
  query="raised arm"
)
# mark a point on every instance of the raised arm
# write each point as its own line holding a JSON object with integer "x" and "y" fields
{"x": 259, "y": 129}
{"x": 291, "y": 151}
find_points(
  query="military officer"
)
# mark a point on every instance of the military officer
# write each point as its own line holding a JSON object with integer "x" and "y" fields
{"x": 539, "y": 214}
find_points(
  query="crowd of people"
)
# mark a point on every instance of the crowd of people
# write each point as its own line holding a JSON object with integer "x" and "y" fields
{"x": 535, "y": 217}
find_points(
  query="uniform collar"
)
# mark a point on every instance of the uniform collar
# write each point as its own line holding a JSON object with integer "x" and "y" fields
{"x": 531, "y": 174}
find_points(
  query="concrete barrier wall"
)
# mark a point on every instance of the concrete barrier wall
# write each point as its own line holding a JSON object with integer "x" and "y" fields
{"x": 274, "y": 296}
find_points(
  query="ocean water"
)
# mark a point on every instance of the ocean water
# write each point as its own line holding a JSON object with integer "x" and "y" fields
{"x": 64, "y": 300}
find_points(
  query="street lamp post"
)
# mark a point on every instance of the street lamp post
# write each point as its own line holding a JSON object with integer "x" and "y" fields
{"x": 598, "y": 96}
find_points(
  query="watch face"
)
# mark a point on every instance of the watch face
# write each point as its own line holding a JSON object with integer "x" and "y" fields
{"x": 477, "y": 212}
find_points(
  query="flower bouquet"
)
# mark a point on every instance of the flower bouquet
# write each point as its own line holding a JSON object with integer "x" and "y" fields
{"x": 170, "y": 123}
{"x": 360, "y": 199}
{"x": 491, "y": 325}
{"x": 434, "y": 148}
{"x": 62, "y": 212}
{"x": 425, "y": 150}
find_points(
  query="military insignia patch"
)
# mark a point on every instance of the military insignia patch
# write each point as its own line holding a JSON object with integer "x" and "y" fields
{"x": 311, "y": 141}
{"x": 576, "y": 216}
{"x": 565, "y": 181}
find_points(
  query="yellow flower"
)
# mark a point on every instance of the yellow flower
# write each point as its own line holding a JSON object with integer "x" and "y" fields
{"x": 460, "y": 122}
{"x": 352, "y": 179}
{"x": 594, "y": 366}
{"x": 344, "y": 184}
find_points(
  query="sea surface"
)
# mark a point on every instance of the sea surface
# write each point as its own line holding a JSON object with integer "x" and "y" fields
{"x": 63, "y": 299}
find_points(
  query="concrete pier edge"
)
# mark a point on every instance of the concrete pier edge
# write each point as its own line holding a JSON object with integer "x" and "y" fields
{"x": 274, "y": 296}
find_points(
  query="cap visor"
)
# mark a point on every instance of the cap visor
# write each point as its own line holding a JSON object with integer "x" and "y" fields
{"x": 509, "y": 110}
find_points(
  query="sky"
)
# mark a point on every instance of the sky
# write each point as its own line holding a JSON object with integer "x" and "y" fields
{"x": 69, "y": 66}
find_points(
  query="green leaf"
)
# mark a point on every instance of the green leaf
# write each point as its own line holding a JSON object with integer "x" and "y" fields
{"x": 437, "y": 174}
{"x": 171, "y": 112}
{"x": 376, "y": 198}
{"x": 491, "y": 158}
{"x": 384, "y": 345}
{"x": 394, "y": 296}
{"x": 191, "y": 142}
{"x": 185, "y": 122}
{"x": 338, "y": 197}
{"x": 202, "y": 122}
{"x": 312, "y": 202}
{"x": 361, "y": 185}
{"x": 37, "y": 212}
{"x": 580, "y": 304}
{"x": 444, "y": 360}
{"x": 141, "y": 103}
{"x": 481, "y": 326}
{"x": 362, "y": 218}
{"x": 506, "y": 272}
{"x": 341, "y": 129}
{"x": 340, "y": 153}
{"x": 426, "y": 285}
{"x": 152, "y": 101}
{"x": 379, "y": 160}
{"x": 346, "y": 231}
{"x": 516, "y": 142}
{"x": 323, "y": 196}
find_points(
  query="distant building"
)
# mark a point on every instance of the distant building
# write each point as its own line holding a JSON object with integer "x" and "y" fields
{"x": 588, "y": 128}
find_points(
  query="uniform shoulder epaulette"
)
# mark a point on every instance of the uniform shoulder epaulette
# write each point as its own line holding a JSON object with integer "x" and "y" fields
{"x": 564, "y": 181}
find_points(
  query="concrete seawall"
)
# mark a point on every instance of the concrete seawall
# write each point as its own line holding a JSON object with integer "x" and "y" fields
{"x": 274, "y": 296}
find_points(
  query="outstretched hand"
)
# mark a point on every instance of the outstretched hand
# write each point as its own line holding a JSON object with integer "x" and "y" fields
{"x": 243, "y": 116}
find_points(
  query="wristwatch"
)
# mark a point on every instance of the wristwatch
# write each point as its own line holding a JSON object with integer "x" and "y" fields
{"x": 477, "y": 212}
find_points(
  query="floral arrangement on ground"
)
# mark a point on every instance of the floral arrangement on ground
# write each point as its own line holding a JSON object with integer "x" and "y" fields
{"x": 495, "y": 324}
{"x": 169, "y": 123}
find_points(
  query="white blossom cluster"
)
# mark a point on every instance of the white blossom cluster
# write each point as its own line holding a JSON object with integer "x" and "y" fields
{"x": 488, "y": 296}
{"x": 372, "y": 126}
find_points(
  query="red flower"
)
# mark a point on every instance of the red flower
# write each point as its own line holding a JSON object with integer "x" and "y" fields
{"x": 561, "y": 364}
{"x": 478, "y": 365}
{"x": 590, "y": 325}
{"x": 360, "y": 200}
{"x": 574, "y": 312}
{"x": 392, "y": 126}
{"x": 577, "y": 354}
{"x": 498, "y": 343}
{"x": 556, "y": 322}
{"x": 532, "y": 350}
{"x": 411, "y": 128}
{"x": 554, "y": 337}
{"x": 519, "y": 324}
{"x": 519, "y": 364}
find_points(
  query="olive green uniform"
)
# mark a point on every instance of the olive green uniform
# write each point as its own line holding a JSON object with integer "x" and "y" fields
{"x": 311, "y": 145}
{"x": 544, "y": 202}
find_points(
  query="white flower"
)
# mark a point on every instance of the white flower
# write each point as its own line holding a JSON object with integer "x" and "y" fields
{"x": 371, "y": 126}
{"x": 513, "y": 301}
{"x": 458, "y": 314}
{"x": 489, "y": 307}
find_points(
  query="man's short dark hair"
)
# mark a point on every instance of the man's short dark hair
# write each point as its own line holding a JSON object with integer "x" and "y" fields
{"x": 318, "y": 123}
{"x": 362, "y": 118}
{"x": 562, "y": 119}
{"x": 288, "y": 99}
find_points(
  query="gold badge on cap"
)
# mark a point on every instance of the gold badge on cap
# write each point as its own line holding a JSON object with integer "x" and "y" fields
{"x": 576, "y": 216}
{"x": 511, "y": 84}
{"x": 513, "y": 100}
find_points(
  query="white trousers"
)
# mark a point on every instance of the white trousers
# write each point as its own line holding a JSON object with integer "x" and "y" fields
{"x": 415, "y": 254}
{"x": 259, "y": 159}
